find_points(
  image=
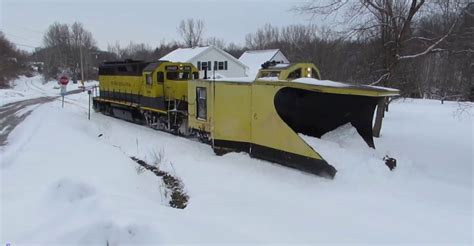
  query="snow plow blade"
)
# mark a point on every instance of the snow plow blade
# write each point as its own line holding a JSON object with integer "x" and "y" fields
{"x": 314, "y": 113}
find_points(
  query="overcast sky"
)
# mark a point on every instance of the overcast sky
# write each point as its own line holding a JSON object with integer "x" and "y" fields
{"x": 25, "y": 21}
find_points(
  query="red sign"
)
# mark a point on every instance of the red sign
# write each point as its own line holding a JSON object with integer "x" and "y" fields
{"x": 64, "y": 80}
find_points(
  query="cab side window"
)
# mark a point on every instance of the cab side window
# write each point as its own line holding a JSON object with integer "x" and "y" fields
{"x": 314, "y": 74}
{"x": 160, "y": 77}
{"x": 295, "y": 74}
{"x": 201, "y": 102}
{"x": 184, "y": 75}
{"x": 149, "y": 80}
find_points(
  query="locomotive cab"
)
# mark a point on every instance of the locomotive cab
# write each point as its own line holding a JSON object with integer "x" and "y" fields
{"x": 288, "y": 71}
{"x": 176, "y": 82}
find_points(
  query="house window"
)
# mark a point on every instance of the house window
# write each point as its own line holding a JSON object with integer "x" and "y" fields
{"x": 215, "y": 65}
{"x": 221, "y": 66}
{"x": 225, "y": 65}
{"x": 209, "y": 65}
{"x": 201, "y": 102}
{"x": 199, "y": 65}
{"x": 204, "y": 66}
{"x": 149, "y": 80}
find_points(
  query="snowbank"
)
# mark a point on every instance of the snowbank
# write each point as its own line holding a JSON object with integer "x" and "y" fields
{"x": 234, "y": 79}
{"x": 62, "y": 183}
{"x": 312, "y": 81}
{"x": 330, "y": 83}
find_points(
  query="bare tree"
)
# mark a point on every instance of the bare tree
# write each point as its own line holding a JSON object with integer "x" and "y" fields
{"x": 165, "y": 48}
{"x": 235, "y": 50}
{"x": 116, "y": 49}
{"x": 12, "y": 62}
{"x": 82, "y": 44}
{"x": 298, "y": 41}
{"x": 388, "y": 21}
{"x": 264, "y": 38}
{"x": 191, "y": 31}
{"x": 447, "y": 75}
{"x": 217, "y": 42}
{"x": 63, "y": 46}
{"x": 135, "y": 51}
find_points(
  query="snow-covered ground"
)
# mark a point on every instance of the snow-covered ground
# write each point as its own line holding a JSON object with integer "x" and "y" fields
{"x": 62, "y": 183}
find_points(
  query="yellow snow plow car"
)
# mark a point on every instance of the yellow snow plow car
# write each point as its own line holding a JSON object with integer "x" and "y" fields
{"x": 264, "y": 116}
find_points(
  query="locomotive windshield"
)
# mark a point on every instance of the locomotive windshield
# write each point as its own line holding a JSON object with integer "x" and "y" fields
{"x": 270, "y": 74}
{"x": 178, "y": 75}
{"x": 179, "y": 72}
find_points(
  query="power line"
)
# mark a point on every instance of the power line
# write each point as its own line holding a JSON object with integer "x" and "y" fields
{"x": 25, "y": 39}
{"x": 20, "y": 37}
{"x": 25, "y": 45}
{"x": 28, "y": 29}
{"x": 20, "y": 44}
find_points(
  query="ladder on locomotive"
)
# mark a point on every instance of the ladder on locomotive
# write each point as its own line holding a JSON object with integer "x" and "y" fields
{"x": 173, "y": 112}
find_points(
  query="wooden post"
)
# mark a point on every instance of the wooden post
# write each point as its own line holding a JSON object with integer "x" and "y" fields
{"x": 378, "y": 117}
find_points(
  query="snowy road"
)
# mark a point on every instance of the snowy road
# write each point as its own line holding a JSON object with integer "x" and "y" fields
{"x": 14, "y": 113}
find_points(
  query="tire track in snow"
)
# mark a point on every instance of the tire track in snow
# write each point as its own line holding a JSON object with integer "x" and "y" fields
{"x": 29, "y": 83}
{"x": 14, "y": 113}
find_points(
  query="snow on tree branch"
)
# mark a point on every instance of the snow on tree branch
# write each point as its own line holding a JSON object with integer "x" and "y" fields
{"x": 420, "y": 39}
{"x": 382, "y": 78}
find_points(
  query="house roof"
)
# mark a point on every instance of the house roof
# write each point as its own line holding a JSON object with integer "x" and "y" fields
{"x": 184, "y": 54}
{"x": 188, "y": 54}
{"x": 255, "y": 58}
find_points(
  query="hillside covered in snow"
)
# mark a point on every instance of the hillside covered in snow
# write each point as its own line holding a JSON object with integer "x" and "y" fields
{"x": 69, "y": 180}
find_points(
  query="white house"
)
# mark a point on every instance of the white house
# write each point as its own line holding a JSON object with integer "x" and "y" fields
{"x": 255, "y": 58}
{"x": 208, "y": 58}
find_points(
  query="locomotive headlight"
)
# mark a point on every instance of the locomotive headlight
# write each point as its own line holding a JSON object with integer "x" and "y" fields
{"x": 309, "y": 72}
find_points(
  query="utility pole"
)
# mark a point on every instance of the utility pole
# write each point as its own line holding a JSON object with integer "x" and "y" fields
{"x": 82, "y": 66}
{"x": 36, "y": 54}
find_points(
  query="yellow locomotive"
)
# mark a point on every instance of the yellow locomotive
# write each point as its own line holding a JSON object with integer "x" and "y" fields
{"x": 154, "y": 93}
{"x": 261, "y": 116}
